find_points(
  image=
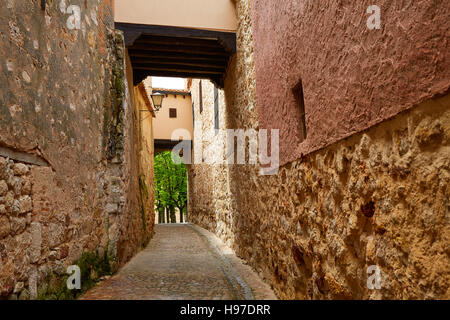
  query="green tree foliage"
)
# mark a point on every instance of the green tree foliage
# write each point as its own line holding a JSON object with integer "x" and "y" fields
{"x": 170, "y": 185}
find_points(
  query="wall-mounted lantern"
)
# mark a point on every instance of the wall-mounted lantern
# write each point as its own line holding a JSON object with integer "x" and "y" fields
{"x": 157, "y": 100}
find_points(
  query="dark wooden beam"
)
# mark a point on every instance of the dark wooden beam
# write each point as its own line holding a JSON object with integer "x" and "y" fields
{"x": 134, "y": 31}
{"x": 169, "y": 68}
{"x": 169, "y": 91}
{"x": 175, "y": 55}
{"x": 167, "y": 144}
{"x": 140, "y": 75}
{"x": 180, "y": 49}
{"x": 174, "y": 74}
{"x": 177, "y": 41}
{"x": 181, "y": 62}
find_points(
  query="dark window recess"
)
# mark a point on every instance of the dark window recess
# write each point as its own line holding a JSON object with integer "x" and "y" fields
{"x": 300, "y": 99}
{"x": 193, "y": 114}
{"x": 216, "y": 109}
{"x": 200, "y": 94}
{"x": 172, "y": 113}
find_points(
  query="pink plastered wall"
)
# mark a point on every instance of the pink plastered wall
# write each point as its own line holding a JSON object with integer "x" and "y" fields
{"x": 353, "y": 77}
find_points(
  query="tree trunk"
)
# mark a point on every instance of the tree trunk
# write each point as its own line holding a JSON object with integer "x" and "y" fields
{"x": 160, "y": 215}
{"x": 173, "y": 217}
{"x": 167, "y": 215}
{"x": 181, "y": 214}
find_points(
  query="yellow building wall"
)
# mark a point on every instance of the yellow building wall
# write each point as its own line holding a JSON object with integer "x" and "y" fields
{"x": 217, "y": 15}
{"x": 164, "y": 126}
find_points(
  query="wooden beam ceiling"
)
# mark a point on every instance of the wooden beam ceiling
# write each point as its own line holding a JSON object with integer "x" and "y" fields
{"x": 178, "y": 68}
{"x": 178, "y": 52}
{"x": 181, "y": 49}
{"x": 160, "y": 40}
{"x": 174, "y": 55}
{"x": 181, "y": 62}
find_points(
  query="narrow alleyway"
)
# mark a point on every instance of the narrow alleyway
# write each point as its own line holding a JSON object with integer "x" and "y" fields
{"x": 183, "y": 262}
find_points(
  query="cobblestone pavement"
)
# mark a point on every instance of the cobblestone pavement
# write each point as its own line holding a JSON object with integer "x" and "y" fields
{"x": 183, "y": 262}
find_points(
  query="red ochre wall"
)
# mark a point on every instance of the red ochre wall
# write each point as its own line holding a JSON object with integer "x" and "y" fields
{"x": 353, "y": 77}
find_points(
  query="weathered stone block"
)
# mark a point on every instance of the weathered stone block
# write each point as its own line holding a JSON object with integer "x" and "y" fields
{"x": 9, "y": 201}
{"x": 26, "y": 185}
{"x": 5, "y": 227}
{"x": 59, "y": 267}
{"x": 3, "y": 166}
{"x": 3, "y": 187}
{"x": 111, "y": 208}
{"x": 429, "y": 133}
{"x": 18, "y": 287}
{"x": 87, "y": 227}
{"x": 36, "y": 242}
{"x": 15, "y": 209}
{"x": 33, "y": 283}
{"x": 21, "y": 265}
{"x": 15, "y": 184}
{"x": 54, "y": 235}
{"x": 25, "y": 203}
{"x": 20, "y": 169}
{"x": 18, "y": 225}
{"x": 114, "y": 197}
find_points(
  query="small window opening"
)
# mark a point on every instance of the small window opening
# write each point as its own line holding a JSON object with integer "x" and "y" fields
{"x": 172, "y": 113}
{"x": 193, "y": 115}
{"x": 200, "y": 93}
{"x": 216, "y": 109}
{"x": 300, "y": 99}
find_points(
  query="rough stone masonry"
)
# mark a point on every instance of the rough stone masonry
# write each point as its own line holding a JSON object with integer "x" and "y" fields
{"x": 377, "y": 198}
{"x": 68, "y": 182}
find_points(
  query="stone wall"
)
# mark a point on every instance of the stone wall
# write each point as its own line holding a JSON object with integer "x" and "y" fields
{"x": 379, "y": 197}
{"x": 352, "y": 77}
{"x": 209, "y": 196}
{"x": 68, "y": 144}
{"x": 145, "y": 113}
